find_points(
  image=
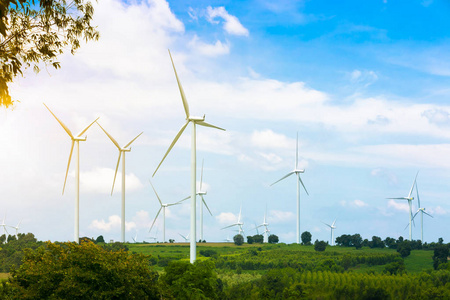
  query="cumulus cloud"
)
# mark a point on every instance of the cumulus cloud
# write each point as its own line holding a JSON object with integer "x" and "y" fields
{"x": 113, "y": 223}
{"x": 355, "y": 203}
{"x": 437, "y": 116}
{"x": 438, "y": 210}
{"x": 99, "y": 180}
{"x": 227, "y": 218}
{"x": 364, "y": 77}
{"x": 269, "y": 139}
{"x": 398, "y": 205}
{"x": 278, "y": 216}
{"x": 231, "y": 23}
{"x": 216, "y": 49}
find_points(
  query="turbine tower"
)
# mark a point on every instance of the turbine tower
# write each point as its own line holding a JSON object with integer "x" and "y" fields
{"x": 297, "y": 172}
{"x": 3, "y": 224}
{"x": 163, "y": 208}
{"x": 17, "y": 228}
{"x": 422, "y": 211}
{"x": 122, "y": 151}
{"x": 194, "y": 121}
{"x": 75, "y": 139}
{"x": 409, "y": 198}
{"x": 239, "y": 223}
{"x": 332, "y": 227}
{"x": 266, "y": 227}
{"x": 185, "y": 238}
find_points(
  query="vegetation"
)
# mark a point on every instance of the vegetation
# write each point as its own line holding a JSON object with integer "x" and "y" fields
{"x": 306, "y": 238}
{"x": 38, "y": 31}
{"x": 227, "y": 271}
{"x": 238, "y": 239}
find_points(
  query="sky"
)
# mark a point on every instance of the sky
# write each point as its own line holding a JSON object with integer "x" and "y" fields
{"x": 364, "y": 83}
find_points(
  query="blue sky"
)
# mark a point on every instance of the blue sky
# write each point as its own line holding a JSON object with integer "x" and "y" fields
{"x": 364, "y": 83}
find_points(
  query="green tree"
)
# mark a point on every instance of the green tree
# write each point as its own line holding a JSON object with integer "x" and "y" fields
{"x": 81, "y": 271}
{"x": 238, "y": 239}
{"x": 100, "y": 239}
{"x": 306, "y": 238}
{"x": 395, "y": 267}
{"x": 356, "y": 241}
{"x": 273, "y": 239}
{"x": 250, "y": 239}
{"x": 183, "y": 280}
{"x": 404, "y": 248}
{"x": 320, "y": 245}
{"x": 258, "y": 239}
{"x": 440, "y": 255}
{"x": 38, "y": 31}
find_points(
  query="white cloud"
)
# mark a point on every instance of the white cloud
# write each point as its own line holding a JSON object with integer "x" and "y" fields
{"x": 399, "y": 205}
{"x": 438, "y": 210}
{"x": 231, "y": 25}
{"x": 383, "y": 173}
{"x": 269, "y": 139}
{"x": 99, "y": 180}
{"x": 364, "y": 77}
{"x": 113, "y": 223}
{"x": 226, "y": 218}
{"x": 209, "y": 49}
{"x": 278, "y": 216}
{"x": 437, "y": 116}
{"x": 359, "y": 203}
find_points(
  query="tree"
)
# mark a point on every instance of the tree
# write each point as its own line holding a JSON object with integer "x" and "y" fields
{"x": 258, "y": 239}
{"x": 238, "y": 239}
{"x": 440, "y": 255}
{"x": 306, "y": 238}
{"x": 376, "y": 242}
{"x": 250, "y": 239}
{"x": 273, "y": 239}
{"x": 320, "y": 245}
{"x": 356, "y": 241}
{"x": 81, "y": 271}
{"x": 404, "y": 248}
{"x": 38, "y": 31}
{"x": 100, "y": 239}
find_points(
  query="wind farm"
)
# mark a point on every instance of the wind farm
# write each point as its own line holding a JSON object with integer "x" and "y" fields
{"x": 361, "y": 136}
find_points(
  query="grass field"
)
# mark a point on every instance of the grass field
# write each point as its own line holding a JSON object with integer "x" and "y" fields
{"x": 417, "y": 261}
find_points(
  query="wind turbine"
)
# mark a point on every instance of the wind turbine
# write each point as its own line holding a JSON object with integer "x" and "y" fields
{"x": 135, "y": 238}
{"x": 266, "y": 227}
{"x": 75, "y": 139}
{"x": 122, "y": 151}
{"x": 422, "y": 211}
{"x": 409, "y": 198}
{"x": 17, "y": 228}
{"x": 186, "y": 238}
{"x": 3, "y": 224}
{"x": 154, "y": 238}
{"x": 194, "y": 121}
{"x": 297, "y": 172}
{"x": 163, "y": 208}
{"x": 332, "y": 227}
{"x": 239, "y": 223}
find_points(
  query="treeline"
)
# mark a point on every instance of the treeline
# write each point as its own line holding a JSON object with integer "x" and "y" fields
{"x": 11, "y": 249}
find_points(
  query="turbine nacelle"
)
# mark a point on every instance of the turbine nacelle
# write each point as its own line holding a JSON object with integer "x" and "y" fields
{"x": 195, "y": 119}
{"x": 299, "y": 171}
{"x": 79, "y": 138}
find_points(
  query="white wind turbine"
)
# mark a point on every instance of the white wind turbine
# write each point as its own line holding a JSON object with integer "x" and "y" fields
{"x": 422, "y": 211}
{"x": 75, "y": 139}
{"x": 163, "y": 208}
{"x": 194, "y": 121}
{"x": 17, "y": 228}
{"x": 409, "y": 198}
{"x": 154, "y": 238}
{"x": 297, "y": 172}
{"x": 332, "y": 227}
{"x": 239, "y": 223}
{"x": 3, "y": 224}
{"x": 266, "y": 227}
{"x": 122, "y": 151}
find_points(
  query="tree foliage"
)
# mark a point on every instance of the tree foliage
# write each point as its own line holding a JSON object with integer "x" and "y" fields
{"x": 35, "y": 31}
{"x": 238, "y": 239}
{"x": 81, "y": 271}
{"x": 273, "y": 239}
{"x": 320, "y": 245}
{"x": 306, "y": 238}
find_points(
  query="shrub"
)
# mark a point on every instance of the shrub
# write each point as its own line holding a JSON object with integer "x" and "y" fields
{"x": 238, "y": 239}
{"x": 320, "y": 245}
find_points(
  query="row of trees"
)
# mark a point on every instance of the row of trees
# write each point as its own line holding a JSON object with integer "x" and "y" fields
{"x": 255, "y": 239}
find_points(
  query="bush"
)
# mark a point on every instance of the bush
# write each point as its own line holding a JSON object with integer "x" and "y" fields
{"x": 273, "y": 239}
{"x": 238, "y": 239}
{"x": 249, "y": 239}
{"x": 208, "y": 252}
{"x": 320, "y": 245}
{"x": 81, "y": 271}
{"x": 404, "y": 248}
{"x": 306, "y": 238}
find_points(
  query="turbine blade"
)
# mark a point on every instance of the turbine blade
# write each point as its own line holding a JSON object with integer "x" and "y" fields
{"x": 115, "y": 174}
{"x": 412, "y": 187}
{"x": 171, "y": 145}
{"x": 296, "y": 154}
{"x": 184, "y": 199}
{"x": 399, "y": 198}
{"x": 126, "y": 146}
{"x": 206, "y": 206}
{"x": 81, "y": 133}
{"x": 406, "y": 226}
{"x": 299, "y": 178}
{"x": 289, "y": 174}
{"x": 183, "y": 96}
{"x": 172, "y": 204}
{"x": 229, "y": 226}
{"x": 156, "y": 193}
{"x": 201, "y": 176}
{"x": 68, "y": 165}
{"x": 157, "y": 214}
{"x": 61, "y": 123}
{"x": 240, "y": 210}
{"x": 327, "y": 224}
{"x": 417, "y": 192}
{"x": 334, "y": 222}
{"x": 110, "y": 137}
{"x": 428, "y": 214}
{"x": 203, "y": 123}
{"x": 415, "y": 214}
